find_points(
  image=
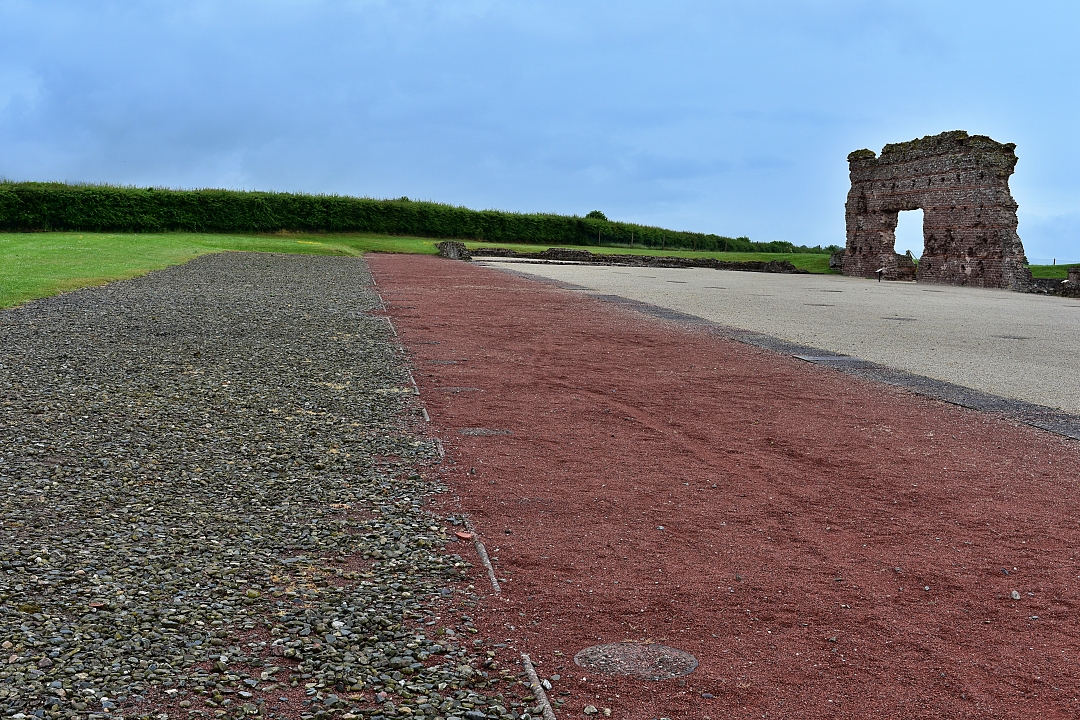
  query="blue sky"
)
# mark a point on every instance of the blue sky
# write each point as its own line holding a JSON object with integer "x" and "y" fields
{"x": 727, "y": 117}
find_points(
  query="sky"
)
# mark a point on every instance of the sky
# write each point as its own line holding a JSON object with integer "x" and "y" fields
{"x": 732, "y": 118}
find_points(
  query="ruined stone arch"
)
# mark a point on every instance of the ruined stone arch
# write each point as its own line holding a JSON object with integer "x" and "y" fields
{"x": 961, "y": 183}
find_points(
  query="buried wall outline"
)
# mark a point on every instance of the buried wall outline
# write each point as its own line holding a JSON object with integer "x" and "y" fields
{"x": 961, "y": 183}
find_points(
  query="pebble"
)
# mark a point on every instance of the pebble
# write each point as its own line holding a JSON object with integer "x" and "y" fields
{"x": 1014, "y": 595}
{"x": 207, "y": 473}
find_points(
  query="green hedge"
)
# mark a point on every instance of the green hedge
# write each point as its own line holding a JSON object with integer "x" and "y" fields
{"x": 26, "y": 206}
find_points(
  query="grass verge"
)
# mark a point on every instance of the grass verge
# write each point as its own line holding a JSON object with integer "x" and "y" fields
{"x": 34, "y": 265}
{"x": 1050, "y": 271}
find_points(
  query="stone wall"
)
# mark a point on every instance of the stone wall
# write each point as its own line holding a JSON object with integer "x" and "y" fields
{"x": 454, "y": 250}
{"x": 628, "y": 260}
{"x": 961, "y": 183}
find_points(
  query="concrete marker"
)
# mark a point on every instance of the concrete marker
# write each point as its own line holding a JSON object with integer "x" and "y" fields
{"x": 537, "y": 688}
{"x": 482, "y": 552}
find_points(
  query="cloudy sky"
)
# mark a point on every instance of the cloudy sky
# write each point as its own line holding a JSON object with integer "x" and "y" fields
{"x": 725, "y": 117}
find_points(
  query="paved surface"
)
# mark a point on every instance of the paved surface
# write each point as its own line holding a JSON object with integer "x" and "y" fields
{"x": 1010, "y": 344}
{"x": 825, "y": 547}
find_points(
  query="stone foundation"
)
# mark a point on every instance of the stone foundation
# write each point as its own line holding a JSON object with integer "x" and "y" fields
{"x": 454, "y": 250}
{"x": 584, "y": 256}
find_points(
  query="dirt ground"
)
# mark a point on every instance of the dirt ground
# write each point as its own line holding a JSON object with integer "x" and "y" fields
{"x": 825, "y": 547}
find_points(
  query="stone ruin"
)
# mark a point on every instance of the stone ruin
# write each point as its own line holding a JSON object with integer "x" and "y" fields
{"x": 454, "y": 250}
{"x": 961, "y": 183}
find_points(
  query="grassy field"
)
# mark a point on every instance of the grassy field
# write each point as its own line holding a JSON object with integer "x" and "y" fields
{"x": 34, "y": 265}
{"x": 811, "y": 262}
{"x": 1050, "y": 271}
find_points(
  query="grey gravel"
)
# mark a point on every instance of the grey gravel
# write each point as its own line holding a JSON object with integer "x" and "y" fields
{"x": 212, "y": 504}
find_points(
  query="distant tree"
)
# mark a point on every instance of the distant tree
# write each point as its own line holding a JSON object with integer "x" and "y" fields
{"x": 596, "y": 215}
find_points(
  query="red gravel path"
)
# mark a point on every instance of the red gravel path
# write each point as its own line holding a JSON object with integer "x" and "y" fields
{"x": 830, "y": 547}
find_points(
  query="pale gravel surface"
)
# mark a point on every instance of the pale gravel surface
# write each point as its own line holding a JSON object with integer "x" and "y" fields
{"x": 1015, "y": 345}
{"x": 212, "y": 496}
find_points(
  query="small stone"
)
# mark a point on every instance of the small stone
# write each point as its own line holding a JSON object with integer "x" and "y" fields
{"x": 1015, "y": 595}
{"x": 209, "y": 523}
{"x": 590, "y": 710}
{"x": 707, "y": 696}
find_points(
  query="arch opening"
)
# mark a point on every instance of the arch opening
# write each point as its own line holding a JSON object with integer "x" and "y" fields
{"x": 909, "y": 233}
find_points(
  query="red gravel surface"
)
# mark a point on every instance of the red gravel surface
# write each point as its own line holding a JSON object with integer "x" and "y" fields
{"x": 825, "y": 547}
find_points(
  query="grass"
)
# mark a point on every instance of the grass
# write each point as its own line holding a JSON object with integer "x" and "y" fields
{"x": 812, "y": 262}
{"x": 34, "y": 265}
{"x": 1050, "y": 271}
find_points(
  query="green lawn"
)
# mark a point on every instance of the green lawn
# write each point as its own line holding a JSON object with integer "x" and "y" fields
{"x": 812, "y": 262}
{"x": 34, "y": 265}
{"x": 1050, "y": 271}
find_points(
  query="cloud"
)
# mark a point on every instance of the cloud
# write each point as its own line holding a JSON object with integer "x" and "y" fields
{"x": 725, "y": 117}
{"x": 1056, "y": 236}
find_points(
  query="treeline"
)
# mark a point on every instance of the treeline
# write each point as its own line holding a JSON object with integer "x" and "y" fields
{"x": 27, "y": 206}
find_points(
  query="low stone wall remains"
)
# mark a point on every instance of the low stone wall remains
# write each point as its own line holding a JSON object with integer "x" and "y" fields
{"x": 454, "y": 250}
{"x": 584, "y": 256}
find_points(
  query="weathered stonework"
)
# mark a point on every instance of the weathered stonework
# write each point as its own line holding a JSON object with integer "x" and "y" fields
{"x": 454, "y": 250}
{"x": 961, "y": 183}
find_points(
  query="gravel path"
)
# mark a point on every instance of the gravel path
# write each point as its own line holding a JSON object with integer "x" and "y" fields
{"x": 1004, "y": 343}
{"x": 213, "y": 505}
{"x": 825, "y": 546}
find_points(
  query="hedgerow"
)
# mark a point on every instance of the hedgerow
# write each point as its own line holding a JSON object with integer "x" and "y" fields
{"x": 32, "y": 206}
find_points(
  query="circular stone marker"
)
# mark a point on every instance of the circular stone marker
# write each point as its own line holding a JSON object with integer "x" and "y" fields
{"x": 641, "y": 660}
